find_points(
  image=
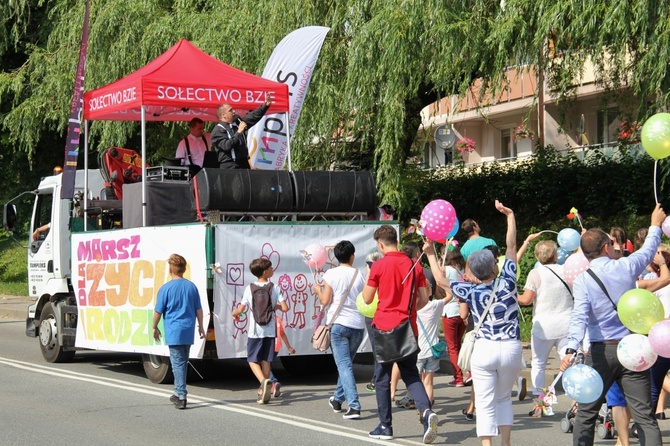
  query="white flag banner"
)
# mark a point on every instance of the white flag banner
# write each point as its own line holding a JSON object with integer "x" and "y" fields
{"x": 292, "y": 62}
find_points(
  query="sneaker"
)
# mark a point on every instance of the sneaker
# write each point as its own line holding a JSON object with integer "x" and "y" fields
{"x": 468, "y": 416}
{"x": 371, "y": 387}
{"x": 429, "y": 427}
{"x": 521, "y": 386}
{"x": 548, "y": 411}
{"x": 406, "y": 402}
{"x": 352, "y": 414}
{"x": 335, "y": 405}
{"x": 276, "y": 389}
{"x": 456, "y": 383}
{"x": 382, "y": 432}
{"x": 180, "y": 404}
{"x": 174, "y": 399}
{"x": 266, "y": 389}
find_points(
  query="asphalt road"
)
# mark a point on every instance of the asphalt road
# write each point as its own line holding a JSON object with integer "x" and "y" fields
{"x": 105, "y": 399}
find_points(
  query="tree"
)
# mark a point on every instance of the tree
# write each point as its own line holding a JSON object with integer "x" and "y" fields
{"x": 381, "y": 64}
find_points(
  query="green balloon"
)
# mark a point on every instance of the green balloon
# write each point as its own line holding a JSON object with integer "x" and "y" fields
{"x": 639, "y": 310}
{"x": 367, "y": 310}
{"x": 656, "y": 136}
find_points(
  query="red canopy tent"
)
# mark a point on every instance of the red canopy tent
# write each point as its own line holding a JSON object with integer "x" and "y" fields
{"x": 179, "y": 85}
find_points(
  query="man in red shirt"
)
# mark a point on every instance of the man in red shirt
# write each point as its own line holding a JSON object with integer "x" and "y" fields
{"x": 392, "y": 278}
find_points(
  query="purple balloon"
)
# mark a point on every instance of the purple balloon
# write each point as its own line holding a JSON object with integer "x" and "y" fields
{"x": 666, "y": 226}
{"x": 659, "y": 338}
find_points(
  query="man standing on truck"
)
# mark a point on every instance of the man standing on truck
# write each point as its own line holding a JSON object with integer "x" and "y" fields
{"x": 178, "y": 302}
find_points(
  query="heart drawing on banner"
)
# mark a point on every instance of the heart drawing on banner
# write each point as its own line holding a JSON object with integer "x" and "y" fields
{"x": 268, "y": 252}
{"x": 234, "y": 275}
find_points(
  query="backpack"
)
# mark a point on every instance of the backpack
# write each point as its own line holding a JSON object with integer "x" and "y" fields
{"x": 262, "y": 303}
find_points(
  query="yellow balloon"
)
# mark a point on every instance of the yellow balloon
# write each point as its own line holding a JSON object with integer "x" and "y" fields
{"x": 367, "y": 310}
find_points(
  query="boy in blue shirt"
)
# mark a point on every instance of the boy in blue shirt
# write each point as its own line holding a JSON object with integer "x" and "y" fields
{"x": 178, "y": 302}
{"x": 261, "y": 333}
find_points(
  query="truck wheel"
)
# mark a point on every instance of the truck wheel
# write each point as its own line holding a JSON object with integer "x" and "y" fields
{"x": 48, "y": 336}
{"x": 158, "y": 369}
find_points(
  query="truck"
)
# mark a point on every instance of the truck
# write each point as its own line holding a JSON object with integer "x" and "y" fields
{"x": 94, "y": 271}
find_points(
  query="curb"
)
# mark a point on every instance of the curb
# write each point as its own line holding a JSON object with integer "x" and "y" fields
{"x": 14, "y": 307}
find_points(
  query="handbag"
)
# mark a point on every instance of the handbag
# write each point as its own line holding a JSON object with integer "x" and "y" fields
{"x": 439, "y": 349}
{"x": 468, "y": 343}
{"x": 399, "y": 342}
{"x": 321, "y": 335}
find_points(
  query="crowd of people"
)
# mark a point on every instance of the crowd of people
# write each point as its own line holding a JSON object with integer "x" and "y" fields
{"x": 471, "y": 287}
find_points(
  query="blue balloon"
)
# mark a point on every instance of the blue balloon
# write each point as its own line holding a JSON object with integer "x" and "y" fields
{"x": 454, "y": 230}
{"x": 582, "y": 383}
{"x": 562, "y": 255}
{"x": 568, "y": 239}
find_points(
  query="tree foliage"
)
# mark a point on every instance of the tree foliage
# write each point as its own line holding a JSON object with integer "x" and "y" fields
{"x": 382, "y": 62}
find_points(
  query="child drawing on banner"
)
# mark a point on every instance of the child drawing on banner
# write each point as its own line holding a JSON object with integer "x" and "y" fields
{"x": 318, "y": 282}
{"x": 235, "y": 279}
{"x": 284, "y": 283}
{"x": 299, "y": 299}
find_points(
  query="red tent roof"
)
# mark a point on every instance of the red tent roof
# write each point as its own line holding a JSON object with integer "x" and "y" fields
{"x": 180, "y": 84}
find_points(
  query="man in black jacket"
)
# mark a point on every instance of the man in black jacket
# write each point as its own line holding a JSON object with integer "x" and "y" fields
{"x": 229, "y": 137}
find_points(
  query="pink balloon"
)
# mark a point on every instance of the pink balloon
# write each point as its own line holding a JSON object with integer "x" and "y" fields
{"x": 438, "y": 219}
{"x": 666, "y": 226}
{"x": 659, "y": 338}
{"x": 315, "y": 255}
{"x": 574, "y": 265}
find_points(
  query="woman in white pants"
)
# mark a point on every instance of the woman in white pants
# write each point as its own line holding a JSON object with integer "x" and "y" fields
{"x": 496, "y": 358}
{"x": 551, "y": 297}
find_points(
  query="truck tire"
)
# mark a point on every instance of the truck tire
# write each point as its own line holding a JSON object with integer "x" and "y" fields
{"x": 158, "y": 369}
{"x": 311, "y": 364}
{"x": 48, "y": 336}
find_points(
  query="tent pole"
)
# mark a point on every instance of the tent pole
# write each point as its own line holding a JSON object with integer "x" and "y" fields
{"x": 144, "y": 167}
{"x": 288, "y": 142}
{"x": 85, "y": 198}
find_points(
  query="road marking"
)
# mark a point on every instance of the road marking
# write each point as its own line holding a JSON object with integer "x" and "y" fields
{"x": 315, "y": 425}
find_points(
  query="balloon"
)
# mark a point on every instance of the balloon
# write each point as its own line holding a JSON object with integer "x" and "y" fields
{"x": 562, "y": 255}
{"x": 666, "y": 226}
{"x": 367, "y": 310}
{"x": 568, "y": 239}
{"x": 635, "y": 353}
{"x": 639, "y": 310}
{"x": 659, "y": 338}
{"x": 656, "y": 136}
{"x": 582, "y": 383}
{"x": 315, "y": 255}
{"x": 437, "y": 219}
{"x": 454, "y": 230}
{"x": 575, "y": 265}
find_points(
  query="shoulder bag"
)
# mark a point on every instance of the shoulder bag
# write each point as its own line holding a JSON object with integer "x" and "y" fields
{"x": 321, "y": 335}
{"x": 399, "y": 342}
{"x": 439, "y": 349}
{"x": 468, "y": 344}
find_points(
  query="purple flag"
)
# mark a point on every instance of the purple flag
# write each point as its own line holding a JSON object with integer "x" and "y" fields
{"x": 74, "y": 124}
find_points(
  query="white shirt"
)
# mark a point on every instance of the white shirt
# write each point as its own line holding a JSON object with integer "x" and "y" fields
{"x": 552, "y": 306}
{"x": 339, "y": 279}
{"x": 198, "y": 149}
{"x": 253, "y": 329}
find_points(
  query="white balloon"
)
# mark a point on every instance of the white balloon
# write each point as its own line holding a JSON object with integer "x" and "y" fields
{"x": 635, "y": 353}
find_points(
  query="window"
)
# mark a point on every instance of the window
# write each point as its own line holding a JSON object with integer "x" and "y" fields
{"x": 43, "y": 210}
{"x": 607, "y": 125}
{"x": 507, "y": 145}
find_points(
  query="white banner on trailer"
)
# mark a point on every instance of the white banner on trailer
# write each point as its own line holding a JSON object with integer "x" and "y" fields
{"x": 116, "y": 276}
{"x": 238, "y": 244}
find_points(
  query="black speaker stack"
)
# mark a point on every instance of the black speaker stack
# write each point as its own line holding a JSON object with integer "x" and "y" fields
{"x": 280, "y": 191}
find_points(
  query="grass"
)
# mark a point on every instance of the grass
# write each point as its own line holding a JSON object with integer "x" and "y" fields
{"x": 14, "y": 288}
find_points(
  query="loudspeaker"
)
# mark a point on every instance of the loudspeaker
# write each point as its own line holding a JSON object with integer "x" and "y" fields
{"x": 167, "y": 203}
{"x": 244, "y": 190}
{"x": 318, "y": 191}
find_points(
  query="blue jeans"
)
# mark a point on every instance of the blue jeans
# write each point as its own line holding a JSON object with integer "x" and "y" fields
{"x": 344, "y": 342}
{"x": 410, "y": 375}
{"x": 179, "y": 361}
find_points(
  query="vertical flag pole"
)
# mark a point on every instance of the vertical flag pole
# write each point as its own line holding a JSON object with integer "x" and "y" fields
{"x": 85, "y": 197}
{"x": 144, "y": 167}
{"x": 288, "y": 143}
